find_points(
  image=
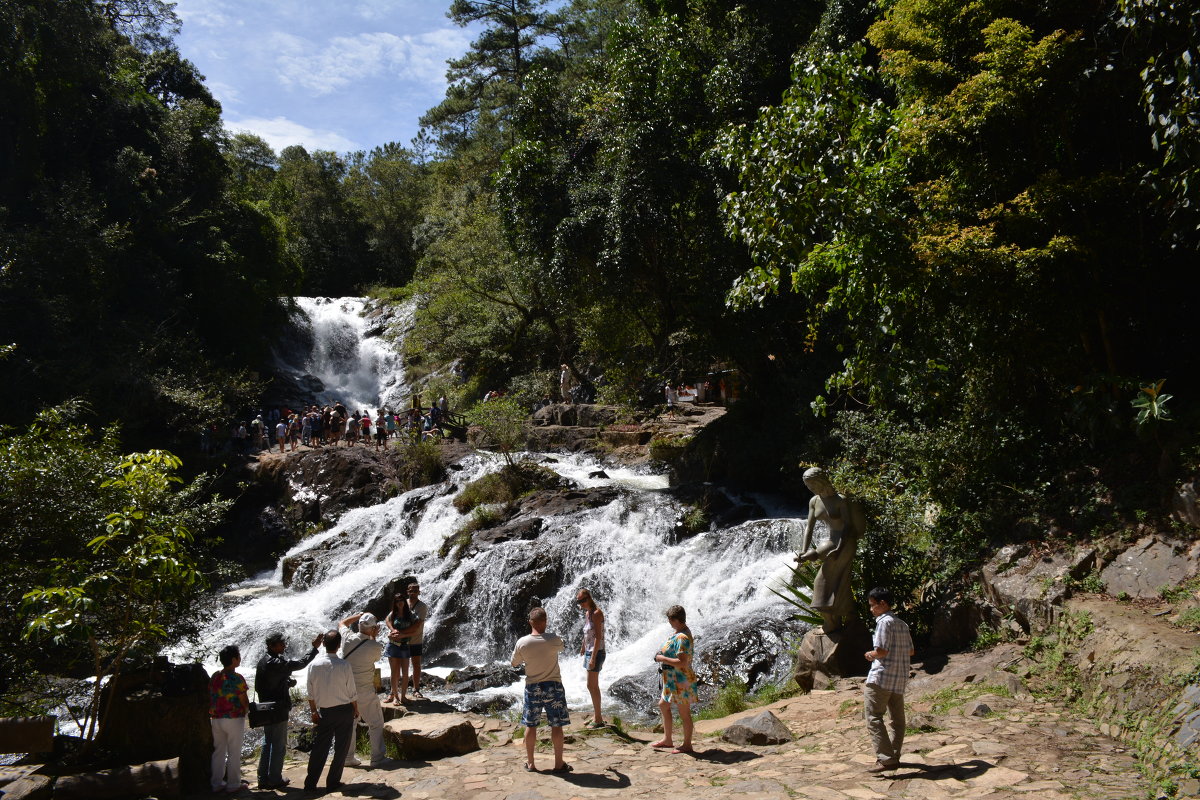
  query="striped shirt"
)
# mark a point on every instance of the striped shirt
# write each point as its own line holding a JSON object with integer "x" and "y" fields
{"x": 890, "y": 673}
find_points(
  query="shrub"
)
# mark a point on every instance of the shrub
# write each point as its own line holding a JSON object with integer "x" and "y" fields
{"x": 505, "y": 486}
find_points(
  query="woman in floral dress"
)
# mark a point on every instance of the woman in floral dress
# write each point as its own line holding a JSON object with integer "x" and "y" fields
{"x": 679, "y": 682}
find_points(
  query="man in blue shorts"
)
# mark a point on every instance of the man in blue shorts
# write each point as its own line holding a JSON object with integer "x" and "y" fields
{"x": 543, "y": 688}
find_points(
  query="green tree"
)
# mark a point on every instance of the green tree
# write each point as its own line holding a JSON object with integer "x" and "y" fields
{"x": 487, "y": 80}
{"x": 502, "y": 423}
{"x": 101, "y": 552}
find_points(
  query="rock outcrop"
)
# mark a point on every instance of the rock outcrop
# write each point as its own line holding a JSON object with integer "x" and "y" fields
{"x": 427, "y": 737}
{"x": 761, "y": 729}
{"x": 1152, "y": 563}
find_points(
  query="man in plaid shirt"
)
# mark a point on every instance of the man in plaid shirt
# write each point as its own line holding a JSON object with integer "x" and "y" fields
{"x": 884, "y": 690}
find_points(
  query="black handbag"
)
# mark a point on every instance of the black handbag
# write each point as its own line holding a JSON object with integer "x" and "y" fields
{"x": 264, "y": 714}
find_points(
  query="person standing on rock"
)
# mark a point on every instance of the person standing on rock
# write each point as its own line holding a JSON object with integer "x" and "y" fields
{"x": 416, "y": 640}
{"x": 401, "y": 625}
{"x": 543, "y": 688}
{"x": 362, "y": 650}
{"x": 334, "y": 703}
{"x": 678, "y": 680}
{"x": 592, "y": 650}
{"x": 272, "y": 682}
{"x": 886, "y": 681}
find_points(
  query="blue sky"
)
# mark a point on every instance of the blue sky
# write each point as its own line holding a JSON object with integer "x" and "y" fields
{"x": 337, "y": 75}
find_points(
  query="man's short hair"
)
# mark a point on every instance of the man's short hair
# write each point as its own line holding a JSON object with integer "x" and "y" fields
{"x": 537, "y": 615}
{"x": 333, "y": 640}
{"x": 882, "y": 594}
{"x": 275, "y": 638}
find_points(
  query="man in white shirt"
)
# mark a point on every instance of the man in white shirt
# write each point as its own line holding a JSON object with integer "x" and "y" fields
{"x": 543, "y": 688}
{"x": 362, "y": 650}
{"x": 334, "y": 703}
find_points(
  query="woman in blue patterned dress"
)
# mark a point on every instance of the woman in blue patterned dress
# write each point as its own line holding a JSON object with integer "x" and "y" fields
{"x": 679, "y": 682}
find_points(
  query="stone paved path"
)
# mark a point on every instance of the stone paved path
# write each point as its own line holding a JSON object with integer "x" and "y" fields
{"x": 1025, "y": 749}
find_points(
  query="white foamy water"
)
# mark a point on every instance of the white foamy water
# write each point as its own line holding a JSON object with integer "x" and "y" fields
{"x": 625, "y": 552}
{"x": 363, "y": 372}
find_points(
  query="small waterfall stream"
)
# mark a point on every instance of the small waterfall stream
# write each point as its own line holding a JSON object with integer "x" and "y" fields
{"x": 333, "y": 343}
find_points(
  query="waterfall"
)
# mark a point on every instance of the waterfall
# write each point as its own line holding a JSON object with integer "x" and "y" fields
{"x": 332, "y": 354}
{"x": 626, "y": 552}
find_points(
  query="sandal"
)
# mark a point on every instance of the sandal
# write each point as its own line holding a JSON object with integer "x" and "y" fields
{"x": 563, "y": 768}
{"x": 684, "y": 748}
{"x": 530, "y": 768}
{"x": 595, "y": 725}
{"x": 662, "y": 745}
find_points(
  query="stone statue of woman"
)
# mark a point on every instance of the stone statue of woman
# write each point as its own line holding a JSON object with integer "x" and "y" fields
{"x": 831, "y": 596}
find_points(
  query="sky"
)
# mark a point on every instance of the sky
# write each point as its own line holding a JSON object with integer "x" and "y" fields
{"x": 338, "y": 75}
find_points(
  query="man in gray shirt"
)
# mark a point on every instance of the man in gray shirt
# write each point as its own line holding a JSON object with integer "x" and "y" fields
{"x": 334, "y": 703}
{"x": 888, "y": 677}
{"x": 543, "y": 688}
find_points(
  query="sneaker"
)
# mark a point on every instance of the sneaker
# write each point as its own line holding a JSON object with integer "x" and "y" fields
{"x": 352, "y": 761}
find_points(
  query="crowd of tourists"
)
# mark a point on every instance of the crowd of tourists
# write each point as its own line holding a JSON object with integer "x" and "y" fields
{"x": 341, "y": 688}
{"x": 332, "y": 425}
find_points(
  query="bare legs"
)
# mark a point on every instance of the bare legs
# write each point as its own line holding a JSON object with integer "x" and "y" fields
{"x": 556, "y": 738}
{"x": 685, "y": 719}
{"x": 416, "y": 675}
{"x": 593, "y": 685}
{"x": 395, "y": 664}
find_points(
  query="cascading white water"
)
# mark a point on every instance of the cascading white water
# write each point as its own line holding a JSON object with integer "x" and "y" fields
{"x": 624, "y": 551}
{"x": 362, "y": 371}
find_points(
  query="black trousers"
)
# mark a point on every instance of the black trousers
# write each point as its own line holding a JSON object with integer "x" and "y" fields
{"x": 335, "y": 727}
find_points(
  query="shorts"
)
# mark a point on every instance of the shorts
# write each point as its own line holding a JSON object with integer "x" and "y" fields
{"x": 550, "y": 696}
{"x": 394, "y": 650}
{"x": 414, "y": 650}
{"x": 587, "y": 659}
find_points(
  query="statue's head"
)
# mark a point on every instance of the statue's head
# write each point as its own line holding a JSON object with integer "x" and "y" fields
{"x": 817, "y": 481}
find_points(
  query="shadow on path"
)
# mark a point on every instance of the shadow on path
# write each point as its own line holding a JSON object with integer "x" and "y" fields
{"x": 938, "y": 772}
{"x": 719, "y": 756}
{"x": 597, "y": 780}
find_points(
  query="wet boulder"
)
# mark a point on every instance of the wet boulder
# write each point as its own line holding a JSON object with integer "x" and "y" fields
{"x": 488, "y": 676}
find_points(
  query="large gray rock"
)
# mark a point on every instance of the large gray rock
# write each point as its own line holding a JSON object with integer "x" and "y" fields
{"x": 761, "y": 729}
{"x": 1151, "y": 564}
{"x": 1184, "y": 505}
{"x": 823, "y": 657}
{"x": 1033, "y": 585}
{"x": 426, "y": 737}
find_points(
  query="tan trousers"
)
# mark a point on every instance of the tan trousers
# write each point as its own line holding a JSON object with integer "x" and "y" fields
{"x": 876, "y": 702}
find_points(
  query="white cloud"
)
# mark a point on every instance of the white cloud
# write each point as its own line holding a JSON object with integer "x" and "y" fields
{"x": 281, "y": 132}
{"x": 206, "y": 13}
{"x": 347, "y": 59}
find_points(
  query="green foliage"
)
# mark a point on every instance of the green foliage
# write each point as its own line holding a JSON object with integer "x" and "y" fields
{"x": 797, "y": 591}
{"x": 668, "y": 448}
{"x": 134, "y": 275}
{"x": 1151, "y": 405}
{"x": 104, "y": 562}
{"x": 501, "y": 423}
{"x": 507, "y": 485}
{"x": 730, "y": 699}
{"x": 944, "y": 700}
{"x": 421, "y": 462}
{"x": 694, "y": 520}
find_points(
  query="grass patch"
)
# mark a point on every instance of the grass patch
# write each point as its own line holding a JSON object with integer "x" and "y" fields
{"x": 507, "y": 485}
{"x": 1189, "y": 619}
{"x": 848, "y": 707}
{"x": 944, "y": 700}
{"x": 730, "y": 699}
